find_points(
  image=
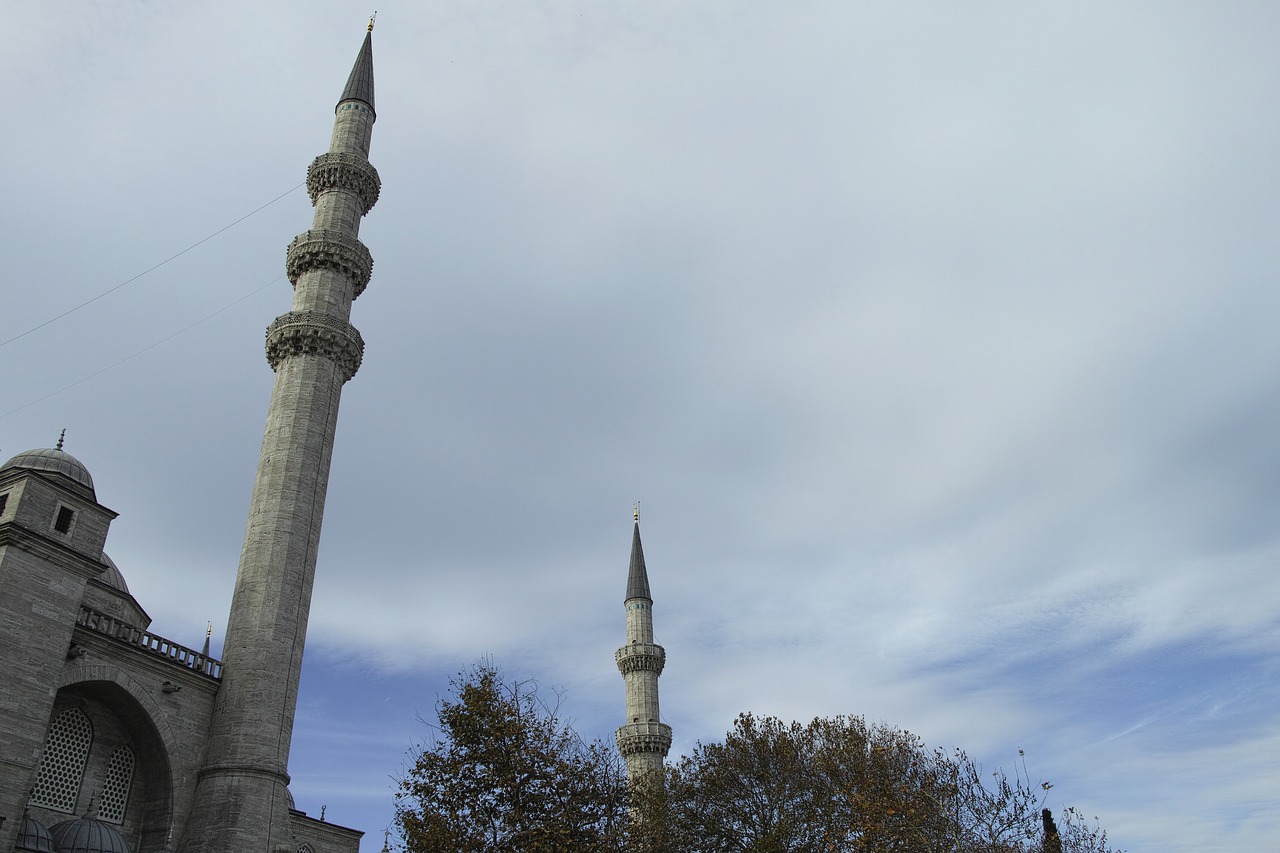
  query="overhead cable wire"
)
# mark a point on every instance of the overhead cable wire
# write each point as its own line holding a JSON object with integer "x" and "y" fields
{"x": 148, "y": 270}
{"x": 145, "y": 349}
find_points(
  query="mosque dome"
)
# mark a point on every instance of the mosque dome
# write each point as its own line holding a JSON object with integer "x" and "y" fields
{"x": 112, "y": 577}
{"x": 87, "y": 835}
{"x": 54, "y": 461}
{"x": 33, "y": 837}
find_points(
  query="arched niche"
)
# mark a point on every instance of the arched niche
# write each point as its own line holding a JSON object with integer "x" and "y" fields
{"x": 124, "y": 718}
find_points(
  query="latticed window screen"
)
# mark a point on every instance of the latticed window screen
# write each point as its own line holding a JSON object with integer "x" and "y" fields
{"x": 305, "y": 848}
{"x": 62, "y": 765}
{"x": 115, "y": 788}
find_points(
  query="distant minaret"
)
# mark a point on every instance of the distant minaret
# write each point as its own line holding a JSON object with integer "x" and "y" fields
{"x": 644, "y": 740}
{"x": 242, "y": 799}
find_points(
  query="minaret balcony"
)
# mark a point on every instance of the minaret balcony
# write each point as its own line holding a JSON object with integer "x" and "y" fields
{"x": 333, "y": 250}
{"x": 315, "y": 333}
{"x": 337, "y": 170}
{"x": 644, "y": 738}
{"x": 641, "y": 657}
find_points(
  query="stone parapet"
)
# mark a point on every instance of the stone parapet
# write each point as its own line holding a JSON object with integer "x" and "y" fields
{"x": 315, "y": 333}
{"x": 644, "y": 739}
{"x": 338, "y": 170}
{"x": 152, "y": 644}
{"x": 641, "y": 657}
{"x": 334, "y": 250}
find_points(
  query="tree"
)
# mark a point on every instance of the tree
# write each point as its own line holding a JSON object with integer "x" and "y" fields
{"x": 1052, "y": 840}
{"x": 504, "y": 773}
{"x": 839, "y": 785}
{"x": 754, "y": 792}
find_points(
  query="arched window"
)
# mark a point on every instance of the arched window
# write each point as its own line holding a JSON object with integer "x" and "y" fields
{"x": 66, "y": 749}
{"x": 115, "y": 788}
{"x": 305, "y": 848}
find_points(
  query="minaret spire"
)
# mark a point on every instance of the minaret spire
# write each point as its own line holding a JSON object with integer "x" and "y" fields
{"x": 242, "y": 797}
{"x": 360, "y": 83}
{"x": 644, "y": 739}
{"x": 637, "y": 574}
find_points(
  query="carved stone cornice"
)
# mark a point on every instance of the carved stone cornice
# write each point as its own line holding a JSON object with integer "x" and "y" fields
{"x": 336, "y": 170}
{"x": 315, "y": 333}
{"x": 641, "y": 657}
{"x": 644, "y": 739}
{"x": 333, "y": 250}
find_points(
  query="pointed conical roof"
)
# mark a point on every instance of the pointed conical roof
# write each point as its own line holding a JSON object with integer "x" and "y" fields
{"x": 360, "y": 83}
{"x": 637, "y": 576}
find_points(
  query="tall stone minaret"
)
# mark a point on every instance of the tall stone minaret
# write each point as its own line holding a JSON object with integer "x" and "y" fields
{"x": 242, "y": 799}
{"x": 644, "y": 739}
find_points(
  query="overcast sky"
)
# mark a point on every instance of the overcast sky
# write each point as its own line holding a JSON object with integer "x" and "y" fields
{"x": 936, "y": 339}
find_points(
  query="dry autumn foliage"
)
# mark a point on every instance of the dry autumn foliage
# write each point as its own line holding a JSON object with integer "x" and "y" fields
{"x": 505, "y": 774}
{"x": 840, "y": 785}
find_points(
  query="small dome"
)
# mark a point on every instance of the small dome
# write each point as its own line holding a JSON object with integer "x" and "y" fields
{"x": 53, "y": 461}
{"x": 112, "y": 577}
{"x": 87, "y": 835}
{"x": 33, "y": 837}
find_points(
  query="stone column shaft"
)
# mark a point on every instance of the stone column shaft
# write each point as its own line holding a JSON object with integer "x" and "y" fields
{"x": 242, "y": 797}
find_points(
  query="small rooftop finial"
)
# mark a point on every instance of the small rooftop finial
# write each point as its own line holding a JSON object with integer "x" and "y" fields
{"x": 373, "y": 18}
{"x": 62, "y": 438}
{"x": 386, "y": 841}
{"x": 635, "y": 512}
{"x": 208, "y": 632}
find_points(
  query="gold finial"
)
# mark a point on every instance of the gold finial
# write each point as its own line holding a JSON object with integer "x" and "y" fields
{"x": 372, "y": 18}
{"x": 62, "y": 438}
{"x": 635, "y": 512}
{"x": 208, "y": 632}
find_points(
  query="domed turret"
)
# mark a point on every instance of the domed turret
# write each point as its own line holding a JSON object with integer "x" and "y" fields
{"x": 33, "y": 837}
{"x": 87, "y": 835}
{"x": 52, "y": 460}
{"x": 112, "y": 576}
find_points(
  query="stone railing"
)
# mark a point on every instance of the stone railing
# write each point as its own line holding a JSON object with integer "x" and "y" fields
{"x": 315, "y": 333}
{"x": 638, "y": 657}
{"x": 327, "y": 249}
{"x": 648, "y": 737}
{"x": 109, "y": 626}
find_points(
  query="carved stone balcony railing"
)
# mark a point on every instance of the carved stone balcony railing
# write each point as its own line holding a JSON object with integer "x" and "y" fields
{"x": 639, "y": 657}
{"x": 327, "y": 249}
{"x": 315, "y": 333}
{"x": 647, "y": 737}
{"x": 109, "y": 626}
{"x": 338, "y": 171}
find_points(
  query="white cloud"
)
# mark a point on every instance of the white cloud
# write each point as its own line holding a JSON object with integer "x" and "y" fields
{"x": 935, "y": 343}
